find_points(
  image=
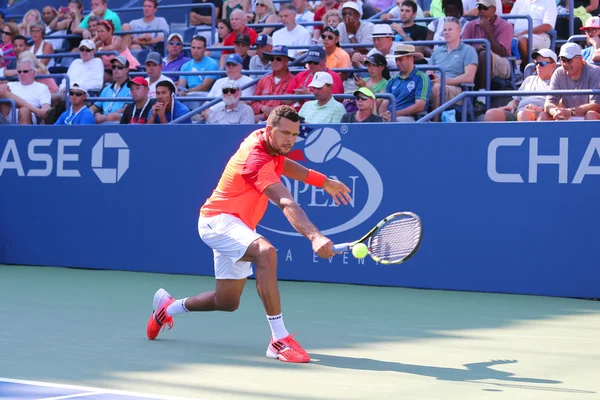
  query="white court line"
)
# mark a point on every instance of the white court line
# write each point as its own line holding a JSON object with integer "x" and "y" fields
{"x": 92, "y": 389}
{"x": 71, "y": 396}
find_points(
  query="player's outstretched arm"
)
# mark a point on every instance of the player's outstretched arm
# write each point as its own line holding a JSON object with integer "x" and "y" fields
{"x": 337, "y": 190}
{"x": 282, "y": 197}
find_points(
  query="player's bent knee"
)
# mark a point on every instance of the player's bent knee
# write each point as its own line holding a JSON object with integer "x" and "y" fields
{"x": 494, "y": 115}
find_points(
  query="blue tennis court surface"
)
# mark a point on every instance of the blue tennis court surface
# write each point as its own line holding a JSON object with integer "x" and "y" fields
{"x": 19, "y": 390}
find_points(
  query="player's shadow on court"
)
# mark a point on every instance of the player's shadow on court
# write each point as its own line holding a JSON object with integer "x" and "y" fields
{"x": 470, "y": 372}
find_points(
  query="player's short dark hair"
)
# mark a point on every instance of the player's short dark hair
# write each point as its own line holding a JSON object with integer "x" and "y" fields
{"x": 411, "y": 4}
{"x": 280, "y": 112}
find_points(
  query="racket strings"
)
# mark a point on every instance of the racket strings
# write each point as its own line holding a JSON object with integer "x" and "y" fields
{"x": 397, "y": 239}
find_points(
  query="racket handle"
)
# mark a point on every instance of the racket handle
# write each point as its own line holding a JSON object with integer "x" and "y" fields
{"x": 341, "y": 247}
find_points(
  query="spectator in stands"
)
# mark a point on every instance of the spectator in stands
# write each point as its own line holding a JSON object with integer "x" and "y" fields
{"x": 543, "y": 14}
{"x": 459, "y": 60}
{"x": 79, "y": 114}
{"x": 8, "y": 31}
{"x": 2, "y": 18}
{"x": 383, "y": 41}
{"x": 272, "y": 84}
{"x": 408, "y": 30}
{"x": 233, "y": 70}
{"x": 591, "y": 54}
{"x": 92, "y": 30}
{"x": 303, "y": 14}
{"x": 41, "y": 46}
{"x": 471, "y": 9}
{"x": 352, "y": 29}
{"x": 149, "y": 22}
{"x": 325, "y": 109}
{"x": 261, "y": 61}
{"x": 451, "y": 8}
{"x": 238, "y": 24}
{"x": 68, "y": 20}
{"x": 499, "y": 33}
{"x": 315, "y": 58}
{"x": 265, "y": 14}
{"x": 223, "y": 30}
{"x": 230, "y": 110}
{"x": 410, "y": 87}
{"x": 197, "y": 85}
{"x": 202, "y": 18}
{"x": 31, "y": 17}
{"x": 86, "y": 69}
{"x": 154, "y": 69}
{"x": 326, "y": 5}
{"x": 137, "y": 112}
{"x": 175, "y": 58}
{"x": 167, "y": 108}
{"x": 336, "y": 57}
{"x": 291, "y": 34}
{"x": 230, "y": 6}
{"x": 107, "y": 41}
{"x": 368, "y": 10}
{"x": 100, "y": 10}
{"x": 331, "y": 18}
{"x": 241, "y": 47}
{"x": 32, "y": 98}
{"x": 528, "y": 108}
{"x": 379, "y": 75}
{"x": 41, "y": 70}
{"x": 19, "y": 43}
{"x": 113, "y": 110}
{"x": 365, "y": 102}
{"x": 574, "y": 74}
{"x": 48, "y": 15}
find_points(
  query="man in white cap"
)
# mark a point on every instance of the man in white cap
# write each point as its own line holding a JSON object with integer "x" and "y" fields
{"x": 591, "y": 54}
{"x": 528, "y": 108}
{"x": 325, "y": 109}
{"x": 575, "y": 74}
{"x": 86, "y": 69}
{"x": 352, "y": 29}
{"x": 175, "y": 58}
{"x": 383, "y": 42}
{"x": 79, "y": 114}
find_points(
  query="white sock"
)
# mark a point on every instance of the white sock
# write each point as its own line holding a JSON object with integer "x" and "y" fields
{"x": 177, "y": 307}
{"x": 277, "y": 326}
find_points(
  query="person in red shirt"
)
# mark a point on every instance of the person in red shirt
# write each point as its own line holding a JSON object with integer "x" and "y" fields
{"x": 238, "y": 24}
{"x": 272, "y": 84}
{"x": 228, "y": 221}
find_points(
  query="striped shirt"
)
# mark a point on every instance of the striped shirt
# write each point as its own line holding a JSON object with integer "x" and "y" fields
{"x": 416, "y": 86}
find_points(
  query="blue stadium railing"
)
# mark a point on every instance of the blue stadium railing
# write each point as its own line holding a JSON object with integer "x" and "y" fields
{"x": 52, "y": 76}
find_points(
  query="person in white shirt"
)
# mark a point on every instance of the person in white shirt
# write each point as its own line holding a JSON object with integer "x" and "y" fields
{"x": 154, "y": 67}
{"x": 85, "y": 69}
{"x": 149, "y": 22}
{"x": 32, "y": 98}
{"x": 291, "y": 34}
{"x": 353, "y": 29}
{"x": 303, "y": 14}
{"x": 543, "y": 14}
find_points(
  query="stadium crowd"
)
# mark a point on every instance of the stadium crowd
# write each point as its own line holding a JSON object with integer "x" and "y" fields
{"x": 390, "y": 55}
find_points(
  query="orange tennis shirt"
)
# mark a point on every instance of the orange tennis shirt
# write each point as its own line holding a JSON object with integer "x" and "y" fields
{"x": 247, "y": 174}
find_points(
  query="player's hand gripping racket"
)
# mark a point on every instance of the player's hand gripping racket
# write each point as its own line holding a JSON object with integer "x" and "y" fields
{"x": 393, "y": 240}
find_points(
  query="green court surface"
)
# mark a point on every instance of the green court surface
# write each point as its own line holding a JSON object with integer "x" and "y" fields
{"x": 87, "y": 328}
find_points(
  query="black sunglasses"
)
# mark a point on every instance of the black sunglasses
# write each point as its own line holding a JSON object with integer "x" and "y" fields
{"x": 330, "y": 37}
{"x": 482, "y": 7}
{"x": 23, "y": 71}
{"x": 85, "y": 50}
{"x": 313, "y": 63}
{"x": 118, "y": 67}
{"x": 76, "y": 94}
{"x": 542, "y": 63}
{"x": 7, "y": 33}
{"x": 280, "y": 59}
{"x": 230, "y": 91}
{"x": 361, "y": 98}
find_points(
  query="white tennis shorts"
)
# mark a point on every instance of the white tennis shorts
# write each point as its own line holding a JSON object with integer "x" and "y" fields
{"x": 229, "y": 238}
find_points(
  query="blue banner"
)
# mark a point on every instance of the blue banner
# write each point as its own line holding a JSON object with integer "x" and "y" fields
{"x": 505, "y": 207}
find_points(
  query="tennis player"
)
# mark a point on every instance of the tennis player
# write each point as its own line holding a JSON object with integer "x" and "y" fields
{"x": 227, "y": 224}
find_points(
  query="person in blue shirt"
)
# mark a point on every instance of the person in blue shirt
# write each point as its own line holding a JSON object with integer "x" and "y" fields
{"x": 79, "y": 114}
{"x": 167, "y": 108}
{"x": 113, "y": 110}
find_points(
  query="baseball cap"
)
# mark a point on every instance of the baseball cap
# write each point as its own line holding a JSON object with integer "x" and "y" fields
{"x": 138, "y": 80}
{"x": 234, "y": 58}
{"x": 243, "y": 39}
{"x": 592, "y": 23}
{"x": 79, "y": 88}
{"x": 487, "y": 3}
{"x": 352, "y": 5}
{"x": 231, "y": 84}
{"x": 88, "y": 44}
{"x": 315, "y": 54}
{"x": 154, "y": 57}
{"x": 263, "y": 40}
{"x": 366, "y": 91}
{"x": 376, "y": 59}
{"x": 177, "y": 35}
{"x": 279, "y": 51}
{"x": 382, "y": 30}
{"x": 545, "y": 53}
{"x": 321, "y": 79}
{"x": 120, "y": 59}
{"x": 570, "y": 50}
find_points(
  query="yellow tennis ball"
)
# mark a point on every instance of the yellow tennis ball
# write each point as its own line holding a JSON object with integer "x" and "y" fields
{"x": 360, "y": 250}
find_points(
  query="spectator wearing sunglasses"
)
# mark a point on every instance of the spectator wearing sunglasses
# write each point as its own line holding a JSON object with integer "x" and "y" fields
{"x": 365, "y": 102}
{"x": 291, "y": 34}
{"x": 325, "y": 109}
{"x": 260, "y": 61}
{"x": 86, "y": 69}
{"x": 233, "y": 70}
{"x": 230, "y": 111}
{"x": 528, "y": 108}
{"x": 272, "y": 84}
{"x": 79, "y": 114}
{"x": 167, "y": 108}
{"x": 591, "y": 54}
{"x": 175, "y": 58}
{"x": 574, "y": 74}
{"x": 336, "y": 56}
{"x": 112, "y": 110}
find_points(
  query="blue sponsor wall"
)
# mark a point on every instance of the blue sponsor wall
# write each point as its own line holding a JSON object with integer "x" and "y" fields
{"x": 506, "y": 207}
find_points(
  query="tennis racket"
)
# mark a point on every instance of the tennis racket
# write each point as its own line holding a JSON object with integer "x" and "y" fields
{"x": 393, "y": 240}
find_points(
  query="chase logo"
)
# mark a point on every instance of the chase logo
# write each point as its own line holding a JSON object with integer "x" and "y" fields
{"x": 106, "y": 142}
{"x": 324, "y": 147}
